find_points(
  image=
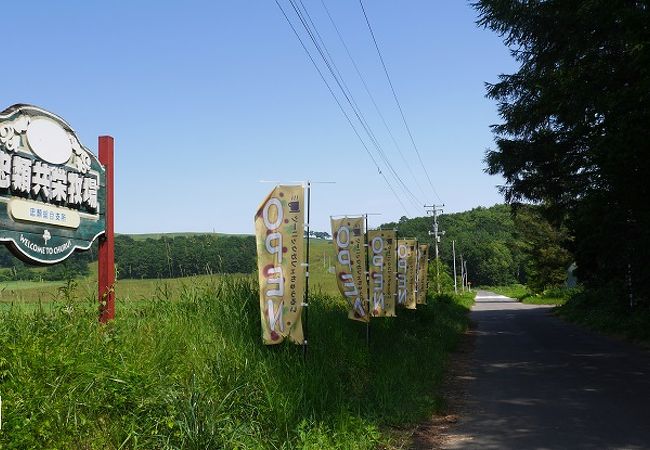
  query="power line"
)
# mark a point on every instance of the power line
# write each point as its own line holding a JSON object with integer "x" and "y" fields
{"x": 372, "y": 98}
{"x": 321, "y": 47}
{"x": 331, "y": 91}
{"x": 399, "y": 106}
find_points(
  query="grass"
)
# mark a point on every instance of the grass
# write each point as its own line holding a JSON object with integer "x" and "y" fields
{"x": 607, "y": 311}
{"x": 185, "y": 368}
{"x": 28, "y": 295}
{"x": 516, "y": 291}
{"x": 555, "y": 297}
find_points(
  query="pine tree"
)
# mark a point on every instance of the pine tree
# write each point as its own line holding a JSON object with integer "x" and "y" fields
{"x": 575, "y": 134}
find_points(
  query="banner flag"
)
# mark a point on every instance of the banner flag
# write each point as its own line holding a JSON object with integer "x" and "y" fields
{"x": 350, "y": 263}
{"x": 423, "y": 274}
{"x": 406, "y": 271}
{"x": 382, "y": 246}
{"x": 279, "y": 225}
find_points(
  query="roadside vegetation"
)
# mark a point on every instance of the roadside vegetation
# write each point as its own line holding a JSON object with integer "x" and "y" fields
{"x": 607, "y": 311}
{"x": 187, "y": 370}
{"x": 555, "y": 296}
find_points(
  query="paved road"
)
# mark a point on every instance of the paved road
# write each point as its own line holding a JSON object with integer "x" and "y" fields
{"x": 540, "y": 383}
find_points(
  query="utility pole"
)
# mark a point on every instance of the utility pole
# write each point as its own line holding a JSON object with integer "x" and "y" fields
{"x": 434, "y": 210}
{"x": 453, "y": 251}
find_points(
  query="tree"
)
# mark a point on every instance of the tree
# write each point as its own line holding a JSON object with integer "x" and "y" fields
{"x": 545, "y": 245}
{"x": 575, "y": 132}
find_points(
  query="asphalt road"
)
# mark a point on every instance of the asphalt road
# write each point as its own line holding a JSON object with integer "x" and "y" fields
{"x": 537, "y": 382}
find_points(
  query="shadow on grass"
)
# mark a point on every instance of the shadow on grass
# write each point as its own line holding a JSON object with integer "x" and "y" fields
{"x": 607, "y": 312}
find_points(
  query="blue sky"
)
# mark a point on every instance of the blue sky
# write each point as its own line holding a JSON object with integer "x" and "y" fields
{"x": 206, "y": 98}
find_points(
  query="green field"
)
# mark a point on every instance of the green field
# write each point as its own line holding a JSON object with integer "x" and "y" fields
{"x": 30, "y": 293}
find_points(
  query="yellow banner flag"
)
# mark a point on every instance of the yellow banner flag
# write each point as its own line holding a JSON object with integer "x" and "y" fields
{"x": 350, "y": 263}
{"x": 423, "y": 273}
{"x": 406, "y": 271}
{"x": 382, "y": 246}
{"x": 279, "y": 225}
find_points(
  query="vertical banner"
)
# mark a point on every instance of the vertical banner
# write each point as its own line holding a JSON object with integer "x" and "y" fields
{"x": 423, "y": 273}
{"x": 348, "y": 239}
{"x": 279, "y": 225}
{"x": 406, "y": 271}
{"x": 383, "y": 282}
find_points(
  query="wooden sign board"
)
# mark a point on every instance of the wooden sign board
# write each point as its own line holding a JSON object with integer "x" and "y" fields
{"x": 52, "y": 188}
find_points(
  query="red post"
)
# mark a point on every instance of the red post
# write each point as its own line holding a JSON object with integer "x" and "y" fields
{"x": 106, "y": 270}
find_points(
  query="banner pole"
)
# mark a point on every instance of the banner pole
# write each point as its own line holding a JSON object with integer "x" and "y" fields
{"x": 396, "y": 301}
{"x": 367, "y": 284}
{"x": 417, "y": 269}
{"x": 306, "y": 301}
{"x": 106, "y": 256}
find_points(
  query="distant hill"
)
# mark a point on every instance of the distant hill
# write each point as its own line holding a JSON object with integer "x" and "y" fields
{"x": 485, "y": 237}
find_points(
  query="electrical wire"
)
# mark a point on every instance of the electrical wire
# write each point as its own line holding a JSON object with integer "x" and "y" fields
{"x": 372, "y": 98}
{"x": 408, "y": 129}
{"x": 331, "y": 91}
{"x": 319, "y": 44}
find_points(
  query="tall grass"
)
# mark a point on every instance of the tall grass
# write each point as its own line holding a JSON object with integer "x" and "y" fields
{"x": 191, "y": 372}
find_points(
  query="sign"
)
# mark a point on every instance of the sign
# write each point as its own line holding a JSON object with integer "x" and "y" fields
{"x": 382, "y": 246}
{"x": 52, "y": 188}
{"x": 279, "y": 225}
{"x": 349, "y": 246}
{"x": 423, "y": 273}
{"x": 406, "y": 262}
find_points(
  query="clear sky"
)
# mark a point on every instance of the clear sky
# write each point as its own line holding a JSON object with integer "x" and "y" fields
{"x": 206, "y": 98}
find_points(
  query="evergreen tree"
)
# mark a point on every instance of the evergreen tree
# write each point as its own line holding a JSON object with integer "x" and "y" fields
{"x": 575, "y": 132}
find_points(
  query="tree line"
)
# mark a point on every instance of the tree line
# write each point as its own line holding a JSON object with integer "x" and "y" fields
{"x": 163, "y": 257}
{"x": 179, "y": 256}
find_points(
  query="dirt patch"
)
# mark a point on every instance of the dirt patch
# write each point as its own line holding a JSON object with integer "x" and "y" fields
{"x": 438, "y": 432}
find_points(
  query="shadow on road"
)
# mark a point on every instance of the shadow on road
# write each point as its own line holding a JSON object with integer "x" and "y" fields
{"x": 536, "y": 382}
